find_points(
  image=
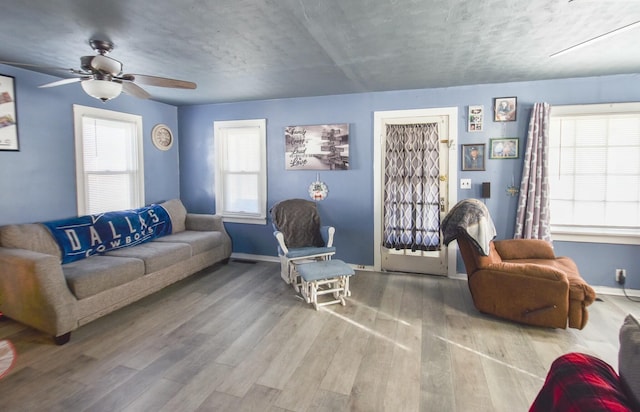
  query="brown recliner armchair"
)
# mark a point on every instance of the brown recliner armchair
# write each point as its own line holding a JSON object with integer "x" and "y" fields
{"x": 522, "y": 280}
{"x": 517, "y": 279}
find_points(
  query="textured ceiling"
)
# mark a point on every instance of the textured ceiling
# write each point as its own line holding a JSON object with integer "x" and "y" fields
{"x": 264, "y": 49}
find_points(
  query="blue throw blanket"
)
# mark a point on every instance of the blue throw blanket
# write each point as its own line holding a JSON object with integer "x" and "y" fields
{"x": 84, "y": 236}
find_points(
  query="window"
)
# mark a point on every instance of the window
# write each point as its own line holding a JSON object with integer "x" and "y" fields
{"x": 241, "y": 170}
{"x": 109, "y": 163}
{"x": 594, "y": 168}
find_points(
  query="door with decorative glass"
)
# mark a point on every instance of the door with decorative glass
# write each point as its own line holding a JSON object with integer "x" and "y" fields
{"x": 414, "y": 193}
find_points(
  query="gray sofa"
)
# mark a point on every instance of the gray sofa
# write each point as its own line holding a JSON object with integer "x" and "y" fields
{"x": 37, "y": 289}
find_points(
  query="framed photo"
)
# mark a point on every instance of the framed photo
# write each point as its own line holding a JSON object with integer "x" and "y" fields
{"x": 8, "y": 115}
{"x": 317, "y": 147}
{"x": 475, "y": 120}
{"x": 504, "y": 109}
{"x": 473, "y": 156}
{"x": 504, "y": 148}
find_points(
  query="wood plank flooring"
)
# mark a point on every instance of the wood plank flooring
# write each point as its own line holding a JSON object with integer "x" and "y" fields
{"x": 237, "y": 338}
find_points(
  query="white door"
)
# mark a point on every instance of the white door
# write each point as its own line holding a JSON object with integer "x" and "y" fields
{"x": 407, "y": 232}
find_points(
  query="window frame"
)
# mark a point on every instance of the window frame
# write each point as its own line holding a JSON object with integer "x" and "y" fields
{"x": 221, "y": 134}
{"x": 80, "y": 112}
{"x": 594, "y": 234}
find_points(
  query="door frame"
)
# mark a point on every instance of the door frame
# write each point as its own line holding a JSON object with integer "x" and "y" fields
{"x": 452, "y": 174}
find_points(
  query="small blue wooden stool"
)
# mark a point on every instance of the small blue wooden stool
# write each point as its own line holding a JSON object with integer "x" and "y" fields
{"x": 324, "y": 277}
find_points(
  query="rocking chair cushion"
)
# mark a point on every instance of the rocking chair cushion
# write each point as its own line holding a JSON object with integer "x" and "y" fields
{"x": 309, "y": 251}
{"x": 325, "y": 269}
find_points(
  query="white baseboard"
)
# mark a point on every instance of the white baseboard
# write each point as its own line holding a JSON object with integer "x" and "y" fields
{"x": 265, "y": 258}
{"x": 607, "y": 290}
{"x": 600, "y": 290}
{"x": 260, "y": 258}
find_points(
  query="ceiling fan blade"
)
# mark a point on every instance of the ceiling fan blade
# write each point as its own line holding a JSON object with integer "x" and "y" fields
{"x": 135, "y": 90}
{"x": 106, "y": 65}
{"x": 39, "y": 66}
{"x": 63, "y": 82}
{"x": 160, "y": 81}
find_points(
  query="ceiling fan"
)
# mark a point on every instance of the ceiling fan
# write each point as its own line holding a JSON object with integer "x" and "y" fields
{"x": 101, "y": 76}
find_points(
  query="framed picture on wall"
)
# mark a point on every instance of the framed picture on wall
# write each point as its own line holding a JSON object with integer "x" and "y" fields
{"x": 8, "y": 115}
{"x": 317, "y": 147}
{"x": 504, "y": 148}
{"x": 475, "y": 119}
{"x": 473, "y": 157}
{"x": 504, "y": 109}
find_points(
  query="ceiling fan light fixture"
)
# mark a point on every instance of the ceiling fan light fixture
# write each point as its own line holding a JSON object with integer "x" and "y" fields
{"x": 102, "y": 89}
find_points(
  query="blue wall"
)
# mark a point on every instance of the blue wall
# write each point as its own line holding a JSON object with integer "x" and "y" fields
{"x": 349, "y": 206}
{"x": 38, "y": 182}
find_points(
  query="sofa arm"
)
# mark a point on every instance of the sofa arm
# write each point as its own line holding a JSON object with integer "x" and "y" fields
{"x": 209, "y": 223}
{"x": 33, "y": 291}
{"x": 510, "y": 249}
{"x": 204, "y": 222}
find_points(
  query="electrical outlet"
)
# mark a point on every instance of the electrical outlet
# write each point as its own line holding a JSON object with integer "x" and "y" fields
{"x": 621, "y": 276}
{"x": 465, "y": 183}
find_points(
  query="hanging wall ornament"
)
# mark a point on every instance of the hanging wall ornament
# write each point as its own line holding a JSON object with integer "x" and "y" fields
{"x": 513, "y": 190}
{"x": 318, "y": 190}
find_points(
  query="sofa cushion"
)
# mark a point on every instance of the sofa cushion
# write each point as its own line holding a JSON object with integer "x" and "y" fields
{"x": 177, "y": 213}
{"x": 30, "y": 236}
{"x": 156, "y": 255}
{"x": 629, "y": 357}
{"x": 91, "y": 276}
{"x": 199, "y": 241}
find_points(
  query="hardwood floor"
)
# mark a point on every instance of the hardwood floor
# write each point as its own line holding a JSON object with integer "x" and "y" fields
{"x": 239, "y": 339}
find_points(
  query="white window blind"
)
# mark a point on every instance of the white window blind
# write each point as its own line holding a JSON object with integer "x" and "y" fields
{"x": 108, "y": 160}
{"x": 241, "y": 172}
{"x": 594, "y": 168}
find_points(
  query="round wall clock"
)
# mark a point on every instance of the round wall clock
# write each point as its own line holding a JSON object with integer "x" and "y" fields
{"x": 162, "y": 137}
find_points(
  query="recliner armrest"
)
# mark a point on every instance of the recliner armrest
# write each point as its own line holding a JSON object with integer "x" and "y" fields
{"x": 510, "y": 249}
{"x": 528, "y": 269}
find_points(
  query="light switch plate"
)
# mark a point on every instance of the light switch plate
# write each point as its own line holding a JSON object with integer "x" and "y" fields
{"x": 465, "y": 183}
